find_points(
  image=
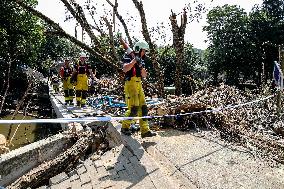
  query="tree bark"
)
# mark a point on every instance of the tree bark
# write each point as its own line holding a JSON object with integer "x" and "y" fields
{"x": 178, "y": 44}
{"x": 122, "y": 22}
{"x": 111, "y": 39}
{"x": 153, "y": 51}
{"x": 78, "y": 14}
{"x": 7, "y": 87}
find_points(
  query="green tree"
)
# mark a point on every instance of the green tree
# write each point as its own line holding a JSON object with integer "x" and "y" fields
{"x": 193, "y": 63}
{"x": 266, "y": 27}
{"x": 230, "y": 48}
{"x": 274, "y": 35}
{"x": 55, "y": 49}
{"x": 274, "y": 10}
{"x": 20, "y": 35}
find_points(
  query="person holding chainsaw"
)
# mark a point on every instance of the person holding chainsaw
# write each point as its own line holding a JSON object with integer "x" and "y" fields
{"x": 134, "y": 69}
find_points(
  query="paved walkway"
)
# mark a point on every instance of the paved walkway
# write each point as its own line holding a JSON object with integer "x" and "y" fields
{"x": 125, "y": 166}
{"x": 174, "y": 159}
{"x": 209, "y": 162}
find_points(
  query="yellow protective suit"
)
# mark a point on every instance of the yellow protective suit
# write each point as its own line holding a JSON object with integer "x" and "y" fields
{"x": 81, "y": 89}
{"x": 68, "y": 89}
{"x": 136, "y": 104}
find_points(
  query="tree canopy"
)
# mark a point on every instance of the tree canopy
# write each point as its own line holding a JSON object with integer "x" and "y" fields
{"x": 243, "y": 46}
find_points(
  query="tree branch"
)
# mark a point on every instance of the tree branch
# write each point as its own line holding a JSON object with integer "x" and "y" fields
{"x": 8, "y": 85}
{"x": 122, "y": 22}
{"x": 79, "y": 15}
{"x": 178, "y": 44}
{"x": 153, "y": 51}
{"x": 60, "y": 32}
{"x": 111, "y": 39}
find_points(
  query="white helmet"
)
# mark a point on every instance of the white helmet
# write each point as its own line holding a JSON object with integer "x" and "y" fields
{"x": 142, "y": 44}
{"x": 82, "y": 54}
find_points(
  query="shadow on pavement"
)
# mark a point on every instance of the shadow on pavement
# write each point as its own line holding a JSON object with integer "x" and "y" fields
{"x": 128, "y": 168}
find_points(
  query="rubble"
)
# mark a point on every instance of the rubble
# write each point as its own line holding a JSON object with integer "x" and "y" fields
{"x": 250, "y": 124}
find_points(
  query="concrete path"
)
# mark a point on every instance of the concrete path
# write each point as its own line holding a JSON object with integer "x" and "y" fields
{"x": 208, "y": 162}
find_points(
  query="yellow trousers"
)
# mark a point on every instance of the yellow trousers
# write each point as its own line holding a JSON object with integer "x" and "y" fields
{"x": 81, "y": 88}
{"x": 136, "y": 104}
{"x": 68, "y": 89}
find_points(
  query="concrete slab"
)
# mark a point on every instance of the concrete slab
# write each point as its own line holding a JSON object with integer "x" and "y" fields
{"x": 19, "y": 161}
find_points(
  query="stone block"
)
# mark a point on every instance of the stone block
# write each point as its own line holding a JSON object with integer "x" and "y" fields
{"x": 123, "y": 175}
{"x": 139, "y": 168}
{"x": 76, "y": 184}
{"x": 85, "y": 178}
{"x": 131, "y": 171}
{"x": 43, "y": 187}
{"x": 113, "y": 175}
{"x": 74, "y": 177}
{"x": 123, "y": 159}
{"x": 87, "y": 186}
{"x": 64, "y": 184}
{"x": 98, "y": 163}
{"x": 119, "y": 166}
{"x": 102, "y": 172}
{"x": 134, "y": 160}
{"x": 58, "y": 178}
{"x": 81, "y": 169}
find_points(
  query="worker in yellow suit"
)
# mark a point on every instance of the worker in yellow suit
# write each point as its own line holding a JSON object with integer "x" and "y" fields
{"x": 65, "y": 74}
{"x": 133, "y": 67}
{"x": 81, "y": 72}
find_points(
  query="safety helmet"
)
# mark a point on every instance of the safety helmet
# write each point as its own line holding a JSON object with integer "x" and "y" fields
{"x": 82, "y": 54}
{"x": 142, "y": 44}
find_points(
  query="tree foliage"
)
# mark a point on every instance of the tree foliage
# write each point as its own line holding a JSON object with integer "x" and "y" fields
{"x": 193, "y": 63}
{"x": 244, "y": 46}
{"x": 54, "y": 50}
{"x": 21, "y": 36}
{"x": 228, "y": 34}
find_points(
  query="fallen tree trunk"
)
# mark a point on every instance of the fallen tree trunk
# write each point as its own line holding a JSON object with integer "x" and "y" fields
{"x": 50, "y": 168}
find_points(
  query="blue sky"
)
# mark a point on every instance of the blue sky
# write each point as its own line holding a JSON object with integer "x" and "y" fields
{"x": 156, "y": 11}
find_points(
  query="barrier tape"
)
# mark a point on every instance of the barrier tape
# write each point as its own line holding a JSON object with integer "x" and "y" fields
{"x": 110, "y": 118}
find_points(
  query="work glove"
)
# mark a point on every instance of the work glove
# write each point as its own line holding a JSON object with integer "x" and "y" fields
{"x": 93, "y": 81}
{"x": 139, "y": 62}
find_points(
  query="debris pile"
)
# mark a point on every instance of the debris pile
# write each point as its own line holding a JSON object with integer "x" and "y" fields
{"x": 112, "y": 86}
{"x": 226, "y": 109}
